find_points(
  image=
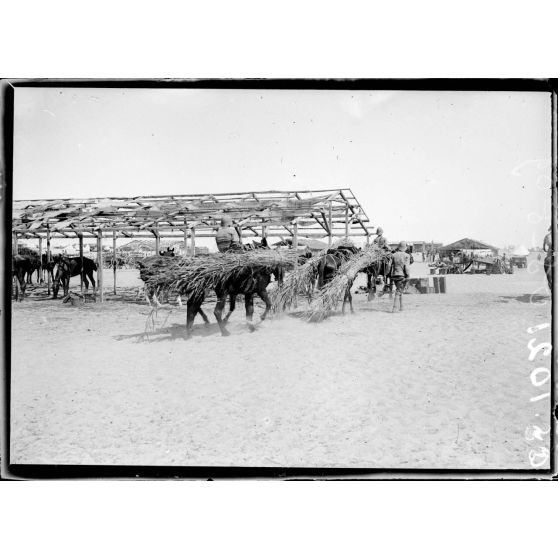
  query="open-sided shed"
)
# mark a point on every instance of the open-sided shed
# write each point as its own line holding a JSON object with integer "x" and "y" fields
{"x": 469, "y": 246}
{"x": 272, "y": 213}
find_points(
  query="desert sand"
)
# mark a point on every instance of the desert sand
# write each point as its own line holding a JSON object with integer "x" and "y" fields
{"x": 443, "y": 384}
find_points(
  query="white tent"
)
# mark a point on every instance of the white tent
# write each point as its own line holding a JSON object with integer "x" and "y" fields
{"x": 520, "y": 251}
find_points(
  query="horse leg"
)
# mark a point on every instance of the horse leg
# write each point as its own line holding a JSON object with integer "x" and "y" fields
{"x": 218, "y": 312}
{"x": 371, "y": 286}
{"x": 381, "y": 286}
{"x": 22, "y": 285}
{"x": 66, "y": 285}
{"x": 193, "y": 307}
{"x": 249, "y": 304}
{"x": 204, "y": 316}
{"x": 85, "y": 281}
{"x": 265, "y": 297}
{"x": 349, "y": 295}
{"x": 232, "y": 306}
{"x": 90, "y": 274}
{"x": 19, "y": 290}
{"x": 55, "y": 286}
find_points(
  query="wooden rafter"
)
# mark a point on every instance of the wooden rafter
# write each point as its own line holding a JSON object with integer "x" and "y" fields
{"x": 135, "y": 217}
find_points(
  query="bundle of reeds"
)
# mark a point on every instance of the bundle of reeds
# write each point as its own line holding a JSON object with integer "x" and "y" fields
{"x": 332, "y": 294}
{"x": 299, "y": 282}
{"x": 193, "y": 276}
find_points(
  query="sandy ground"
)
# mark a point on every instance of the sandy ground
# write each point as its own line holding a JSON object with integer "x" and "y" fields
{"x": 443, "y": 384}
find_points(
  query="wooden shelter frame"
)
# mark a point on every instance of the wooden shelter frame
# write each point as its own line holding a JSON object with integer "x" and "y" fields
{"x": 272, "y": 213}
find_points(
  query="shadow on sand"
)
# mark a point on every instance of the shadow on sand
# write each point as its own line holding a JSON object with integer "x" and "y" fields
{"x": 171, "y": 333}
{"x": 304, "y": 314}
{"x": 526, "y": 298}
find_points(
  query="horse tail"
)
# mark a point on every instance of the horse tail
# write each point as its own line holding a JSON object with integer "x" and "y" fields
{"x": 94, "y": 265}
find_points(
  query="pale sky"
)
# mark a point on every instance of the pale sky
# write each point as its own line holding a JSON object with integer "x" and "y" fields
{"x": 424, "y": 165}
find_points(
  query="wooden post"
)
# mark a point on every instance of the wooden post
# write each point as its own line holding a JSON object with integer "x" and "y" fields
{"x": 193, "y": 243}
{"x": 157, "y": 241}
{"x": 41, "y": 277}
{"x": 264, "y": 231}
{"x": 367, "y": 239}
{"x": 48, "y": 260}
{"x": 14, "y": 239}
{"x": 100, "y": 265}
{"x": 114, "y": 259}
{"x": 80, "y": 240}
{"x": 346, "y": 220}
{"x": 185, "y": 237}
{"x": 330, "y": 226}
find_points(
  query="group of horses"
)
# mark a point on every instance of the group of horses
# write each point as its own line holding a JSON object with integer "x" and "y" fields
{"x": 249, "y": 283}
{"x": 60, "y": 268}
{"x": 254, "y": 282}
{"x": 378, "y": 274}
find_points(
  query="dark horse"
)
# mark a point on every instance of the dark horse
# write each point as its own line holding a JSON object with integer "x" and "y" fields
{"x": 168, "y": 253}
{"x": 47, "y": 266}
{"x": 71, "y": 267}
{"x": 248, "y": 282}
{"x": 378, "y": 275}
{"x": 21, "y": 266}
{"x": 151, "y": 295}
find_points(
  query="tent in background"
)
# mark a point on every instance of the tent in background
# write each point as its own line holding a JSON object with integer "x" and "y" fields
{"x": 520, "y": 251}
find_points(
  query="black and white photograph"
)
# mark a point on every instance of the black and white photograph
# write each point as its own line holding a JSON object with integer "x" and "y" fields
{"x": 273, "y": 276}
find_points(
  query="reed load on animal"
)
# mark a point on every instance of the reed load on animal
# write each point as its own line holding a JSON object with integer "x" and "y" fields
{"x": 227, "y": 274}
{"x": 194, "y": 276}
{"x": 335, "y": 271}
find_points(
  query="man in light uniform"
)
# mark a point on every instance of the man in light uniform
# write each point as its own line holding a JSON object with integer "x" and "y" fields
{"x": 227, "y": 236}
{"x": 380, "y": 240}
{"x": 400, "y": 273}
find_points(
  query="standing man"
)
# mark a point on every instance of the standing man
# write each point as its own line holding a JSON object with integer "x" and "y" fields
{"x": 227, "y": 237}
{"x": 400, "y": 273}
{"x": 549, "y": 258}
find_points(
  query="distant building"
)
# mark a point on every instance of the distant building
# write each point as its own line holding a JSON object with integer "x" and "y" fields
{"x": 470, "y": 247}
{"x": 419, "y": 246}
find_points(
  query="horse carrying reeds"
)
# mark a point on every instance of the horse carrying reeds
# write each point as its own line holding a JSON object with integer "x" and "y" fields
{"x": 228, "y": 274}
{"x": 336, "y": 289}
